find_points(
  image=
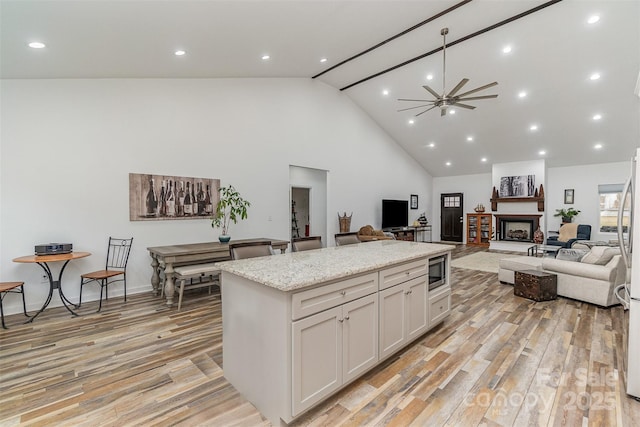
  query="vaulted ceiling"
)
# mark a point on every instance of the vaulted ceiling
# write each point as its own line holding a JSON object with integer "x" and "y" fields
{"x": 377, "y": 51}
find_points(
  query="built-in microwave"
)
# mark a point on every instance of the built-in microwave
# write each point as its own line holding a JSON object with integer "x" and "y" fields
{"x": 437, "y": 272}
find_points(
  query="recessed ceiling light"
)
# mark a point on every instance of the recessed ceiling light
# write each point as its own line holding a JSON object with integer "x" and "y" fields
{"x": 37, "y": 45}
{"x": 469, "y": 138}
{"x": 597, "y": 146}
{"x": 323, "y": 60}
{"x": 179, "y": 52}
{"x": 533, "y": 127}
{"x": 411, "y": 121}
{"x": 593, "y": 19}
{"x": 597, "y": 117}
{"x": 429, "y": 76}
{"x": 484, "y": 159}
{"x": 452, "y": 111}
{"x": 542, "y": 152}
{"x": 448, "y": 164}
{"x": 385, "y": 92}
{"x": 265, "y": 57}
{"x": 506, "y": 49}
{"x": 594, "y": 76}
{"x": 431, "y": 145}
{"x": 522, "y": 94}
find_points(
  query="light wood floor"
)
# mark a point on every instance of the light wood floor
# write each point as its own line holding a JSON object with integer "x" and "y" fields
{"x": 497, "y": 360}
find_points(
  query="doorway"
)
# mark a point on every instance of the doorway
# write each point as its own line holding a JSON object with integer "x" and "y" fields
{"x": 300, "y": 212}
{"x": 451, "y": 217}
{"x": 311, "y": 194}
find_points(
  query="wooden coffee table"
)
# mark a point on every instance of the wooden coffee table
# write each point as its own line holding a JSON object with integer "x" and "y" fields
{"x": 536, "y": 285}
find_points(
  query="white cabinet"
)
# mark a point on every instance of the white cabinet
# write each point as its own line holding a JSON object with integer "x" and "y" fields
{"x": 287, "y": 350}
{"x": 404, "y": 314}
{"x": 331, "y": 348}
{"x": 317, "y": 358}
{"x": 439, "y": 305}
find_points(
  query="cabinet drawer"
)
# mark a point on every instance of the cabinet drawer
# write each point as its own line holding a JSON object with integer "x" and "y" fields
{"x": 439, "y": 305}
{"x": 315, "y": 300}
{"x": 401, "y": 273}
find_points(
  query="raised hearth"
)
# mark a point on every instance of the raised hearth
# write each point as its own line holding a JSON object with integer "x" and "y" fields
{"x": 516, "y": 227}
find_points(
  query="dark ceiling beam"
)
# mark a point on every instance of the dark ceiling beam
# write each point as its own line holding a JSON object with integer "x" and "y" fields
{"x": 382, "y": 43}
{"x": 455, "y": 42}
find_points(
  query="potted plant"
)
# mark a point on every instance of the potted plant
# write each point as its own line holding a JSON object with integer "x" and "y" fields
{"x": 230, "y": 207}
{"x": 566, "y": 214}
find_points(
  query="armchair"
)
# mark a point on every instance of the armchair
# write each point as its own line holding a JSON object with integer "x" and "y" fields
{"x": 567, "y": 236}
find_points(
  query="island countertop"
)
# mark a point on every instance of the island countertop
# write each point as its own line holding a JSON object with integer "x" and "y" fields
{"x": 298, "y": 270}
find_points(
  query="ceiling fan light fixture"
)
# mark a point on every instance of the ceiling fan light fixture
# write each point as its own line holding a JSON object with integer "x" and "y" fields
{"x": 452, "y": 98}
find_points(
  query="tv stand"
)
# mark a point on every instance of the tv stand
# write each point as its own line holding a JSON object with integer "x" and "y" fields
{"x": 411, "y": 234}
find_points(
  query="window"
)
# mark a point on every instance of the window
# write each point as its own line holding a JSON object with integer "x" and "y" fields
{"x": 452, "y": 201}
{"x": 610, "y": 199}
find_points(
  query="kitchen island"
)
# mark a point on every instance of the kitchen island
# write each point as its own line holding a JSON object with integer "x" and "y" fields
{"x": 298, "y": 327}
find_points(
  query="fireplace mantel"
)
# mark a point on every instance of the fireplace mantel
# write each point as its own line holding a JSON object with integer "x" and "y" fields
{"x": 538, "y": 198}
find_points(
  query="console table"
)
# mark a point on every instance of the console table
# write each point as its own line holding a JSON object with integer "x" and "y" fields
{"x": 165, "y": 258}
{"x": 411, "y": 233}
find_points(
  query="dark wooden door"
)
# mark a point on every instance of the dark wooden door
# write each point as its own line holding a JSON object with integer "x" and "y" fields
{"x": 451, "y": 217}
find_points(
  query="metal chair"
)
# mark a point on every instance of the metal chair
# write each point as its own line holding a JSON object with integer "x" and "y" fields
{"x": 11, "y": 287}
{"x": 116, "y": 266}
{"x": 306, "y": 243}
{"x": 250, "y": 249}
{"x": 347, "y": 238}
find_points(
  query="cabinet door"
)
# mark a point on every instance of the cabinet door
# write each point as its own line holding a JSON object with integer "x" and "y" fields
{"x": 359, "y": 336}
{"x": 417, "y": 307}
{"x": 317, "y": 358}
{"x": 392, "y": 319}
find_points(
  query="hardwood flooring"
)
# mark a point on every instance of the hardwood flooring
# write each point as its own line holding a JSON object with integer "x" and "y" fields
{"x": 498, "y": 360}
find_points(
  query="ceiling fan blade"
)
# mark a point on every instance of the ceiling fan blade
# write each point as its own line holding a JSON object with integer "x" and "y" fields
{"x": 468, "y": 107}
{"x": 478, "y": 89}
{"x": 417, "y": 100}
{"x": 413, "y": 108}
{"x": 443, "y": 111}
{"x": 477, "y": 97}
{"x": 431, "y": 91}
{"x": 458, "y": 87}
{"x": 425, "y": 111}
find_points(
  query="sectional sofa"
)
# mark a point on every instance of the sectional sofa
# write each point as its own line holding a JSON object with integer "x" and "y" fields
{"x": 591, "y": 277}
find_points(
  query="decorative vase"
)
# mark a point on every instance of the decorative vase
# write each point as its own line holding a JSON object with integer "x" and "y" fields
{"x": 224, "y": 238}
{"x": 538, "y": 236}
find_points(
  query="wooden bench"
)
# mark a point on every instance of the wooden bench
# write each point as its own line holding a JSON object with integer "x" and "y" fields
{"x": 196, "y": 276}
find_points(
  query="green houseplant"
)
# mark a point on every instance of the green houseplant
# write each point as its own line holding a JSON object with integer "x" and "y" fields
{"x": 231, "y": 207}
{"x": 566, "y": 214}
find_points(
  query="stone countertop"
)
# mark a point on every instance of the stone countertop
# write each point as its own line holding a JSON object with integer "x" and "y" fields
{"x": 297, "y": 270}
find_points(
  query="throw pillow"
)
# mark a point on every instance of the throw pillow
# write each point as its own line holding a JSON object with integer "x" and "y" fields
{"x": 568, "y": 231}
{"x": 571, "y": 254}
{"x": 600, "y": 255}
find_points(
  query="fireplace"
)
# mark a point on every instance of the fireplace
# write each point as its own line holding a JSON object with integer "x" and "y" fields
{"x": 516, "y": 228}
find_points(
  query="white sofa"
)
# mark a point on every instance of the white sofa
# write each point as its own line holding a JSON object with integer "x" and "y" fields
{"x": 582, "y": 281}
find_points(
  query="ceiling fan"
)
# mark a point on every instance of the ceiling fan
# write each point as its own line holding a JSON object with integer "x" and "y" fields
{"x": 448, "y": 99}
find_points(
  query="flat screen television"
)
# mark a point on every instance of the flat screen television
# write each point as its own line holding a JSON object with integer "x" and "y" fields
{"x": 395, "y": 213}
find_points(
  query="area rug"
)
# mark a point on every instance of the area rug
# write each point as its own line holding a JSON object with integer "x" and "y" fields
{"x": 482, "y": 261}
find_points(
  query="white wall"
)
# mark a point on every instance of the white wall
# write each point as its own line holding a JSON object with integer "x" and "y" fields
{"x": 68, "y": 146}
{"x": 584, "y": 180}
{"x": 475, "y": 189}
